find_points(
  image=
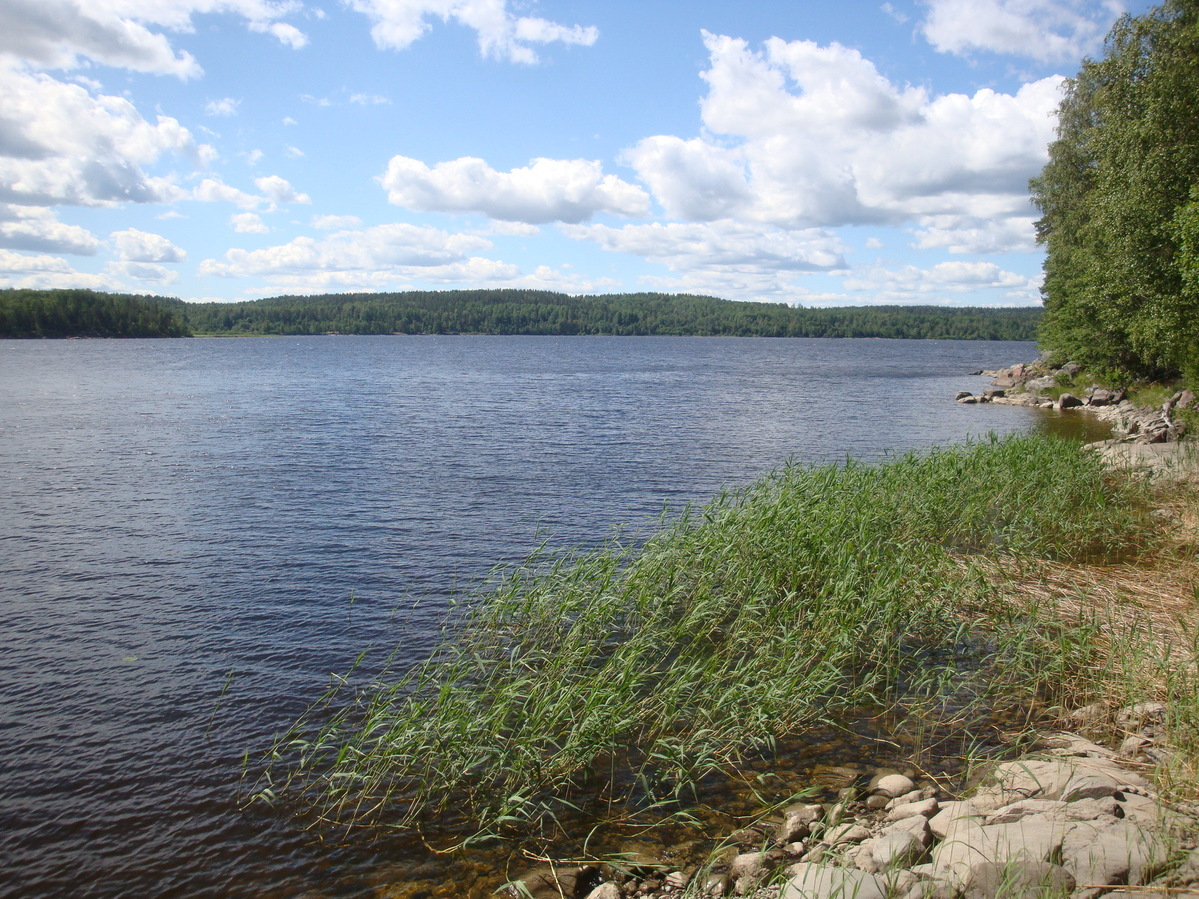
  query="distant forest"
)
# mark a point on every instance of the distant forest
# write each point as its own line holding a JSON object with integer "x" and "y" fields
{"x": 85, "y": 313}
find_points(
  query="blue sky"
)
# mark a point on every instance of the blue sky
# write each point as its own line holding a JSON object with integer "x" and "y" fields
{"x": 818, "y": 154}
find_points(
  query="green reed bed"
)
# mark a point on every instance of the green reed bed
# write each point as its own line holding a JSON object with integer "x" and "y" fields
{"x": 630, "y": 672}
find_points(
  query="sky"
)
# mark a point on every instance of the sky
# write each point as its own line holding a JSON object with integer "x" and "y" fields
{"x": 794, "y": 151}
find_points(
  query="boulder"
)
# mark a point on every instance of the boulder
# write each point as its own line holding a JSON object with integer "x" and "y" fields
{"x": 1019, "y": 880}
{"x": 894, "y": 785}
{"x": 898, "y": 849}
{"x": 797, "y": 822}
{"x": 1101, "y": 398}
{"x": 1070, "y": 369}
{"x": 826, "y": 882}
{"x": 1067, "y": 401}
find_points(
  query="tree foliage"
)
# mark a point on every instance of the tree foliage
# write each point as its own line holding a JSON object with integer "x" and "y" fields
{"x": 87, "y": 313}
{"x": 640, "y": 314}
{"x": 1120, "y": 215}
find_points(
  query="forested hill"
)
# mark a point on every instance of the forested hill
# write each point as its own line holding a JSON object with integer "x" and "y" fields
{"x": 87, "y": 313}
{"x": 71, "y": 313}
{"x": 545, "y": 312}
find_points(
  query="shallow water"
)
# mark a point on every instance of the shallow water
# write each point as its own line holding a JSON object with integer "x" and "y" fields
{"x": 195, "y": 534}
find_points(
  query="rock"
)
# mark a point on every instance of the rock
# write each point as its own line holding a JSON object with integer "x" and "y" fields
{"x": 973, "y": 400}
{"x": 1089, "y": 714}
{"x": 605, "y": 891}
{"x": 925, "y": 807}
{"x": 797, "y": 822}
{"x": 894, "y": 785}
{"x": 877, "y": 801}
{"x": 898, "y": 849}
{"x": 1136, "y": 717}
{"x": 553, "y": 883}
{"x": 1184, "y": 399}
{"x": 1069, "y": 779}
{"x": 826, "y": 882}
{"x": 747, "y": 869}
{"x": 1036, "y": 385}
{"x": 1070, "y": 369}
{"x": 1067, "y": 401}
{"x": 1112, "y": 852}
{"x": 1100, "y": 397}
{"x": 993, "y": 392}
{"x": 952, "y": 811}
{"x": 1064, "y": 744}
{"x": 677, "y": 880}
{"x": 1017, "y": 880}
{"x": 850, "y": 832}
{"x": 962, "y": 394}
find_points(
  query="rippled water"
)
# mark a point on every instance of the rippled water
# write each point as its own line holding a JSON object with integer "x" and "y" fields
{"x": 195, "y": 533}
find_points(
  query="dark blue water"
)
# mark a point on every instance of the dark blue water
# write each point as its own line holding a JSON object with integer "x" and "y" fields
{"x": 194, "y": 534}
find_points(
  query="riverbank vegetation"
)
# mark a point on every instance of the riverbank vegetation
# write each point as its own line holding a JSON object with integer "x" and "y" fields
{"x": 608, "y": 679}
{"x": 1120, "y": 204}
{"x": 46, "y": 313}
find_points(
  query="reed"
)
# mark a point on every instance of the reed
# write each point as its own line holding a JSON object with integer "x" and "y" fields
{"x": 624, "y": 674}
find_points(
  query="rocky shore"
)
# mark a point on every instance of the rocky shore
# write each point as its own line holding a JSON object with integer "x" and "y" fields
{"x": 1072, "y": 819}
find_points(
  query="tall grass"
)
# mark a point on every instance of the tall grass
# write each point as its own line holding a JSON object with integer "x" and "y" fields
{"x": 626, "y": 673}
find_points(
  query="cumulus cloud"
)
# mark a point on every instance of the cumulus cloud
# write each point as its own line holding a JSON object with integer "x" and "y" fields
{"x": 278, "y": 190}
{"x": 143, "y": 271}
{"x": 275, "y": 190}
{"x": 42, "y": 272}
{"x": 1044, "y": 30}
{"x": 59, "y": 34}
{"x": 725, "y": 244}
{"x": 799, "y": 135}
{"x": 248, "y": 223}
{"x": 546, "y": 190}
{"x": 141, "y": 246}
{"x": 226, "y": 106}
{"x": 946, "y": 282}
{"x": 383, "y": 248}
{"x": 396, "y": 24}
{"x": 966, "y": 235}
{"x": 335, "y": 222}
{"x": 36, "y": 228}
{"x": 62, "y": 145}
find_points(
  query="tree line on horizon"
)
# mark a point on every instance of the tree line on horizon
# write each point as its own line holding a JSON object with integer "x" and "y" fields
{"x": 1119, "y": 203}
{"x": 84, "y": 313}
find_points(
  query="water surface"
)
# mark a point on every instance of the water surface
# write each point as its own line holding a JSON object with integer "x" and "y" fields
{"x": 195, "y": 534}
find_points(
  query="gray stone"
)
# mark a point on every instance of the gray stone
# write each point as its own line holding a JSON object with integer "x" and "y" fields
{"x": 747, "y": 869}
{"x": 1036, "y": 385}
{"x": 797, "y": 822}
{"x": 1067, "y": 401}
{"x": 1035, "y": 838}
{"x": 1113, "y": 852}
{"x": 1070, "y": 369}
{"x": 605, "y": 891}
{"x": 917, "y": 825}
{"x": 1143, "y": 714}
{"x": 894, "y": 785}
{"x": 898, "y": 849}
{"x": 826, "y": 882}
{"x": 925, "y": 807}
{"x": 962, "y": 394}
{"x": 1101, "y": 398}
{"x": 1067, "y": 744}
{"x": 850, "y": 832}
{"x": 952, "y": 811}
{"x": 1018, "y": 880}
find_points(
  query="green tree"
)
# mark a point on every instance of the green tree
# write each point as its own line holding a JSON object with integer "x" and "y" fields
{"x": 1113, "y": 197}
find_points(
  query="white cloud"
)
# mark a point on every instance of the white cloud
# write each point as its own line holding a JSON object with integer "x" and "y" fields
{"x": 396, "y": 24}
{"x": 37, "y": 228}
{"x": 1045, "y": 30}
{"x": 278, "y": 190}
{"x": 140, "y": 246}
{"x": 254, "y": 157}
{"x": 368, "y": 100}
{"x": 58, "y": 34}
{"x": 966, "y": 235}
{"x": 335, "y": 222}
{"x": 214, "y": 190}
{"x": 275, "y": 190}
{"x": 294, "y": 152}
{"x": 226, "y": 106}
{"x": 719, "y": 245}
{"x": 248, "y": 223}
{"x": 62, "y": 145}
{"x": 946, "y": 282}
{"x": 42, "y": 272}
{"x": 799, "y": 135}
{"x": 547, "y": 190}
{"x": 381, "y": 249}
{"x": 142, "y": 271}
